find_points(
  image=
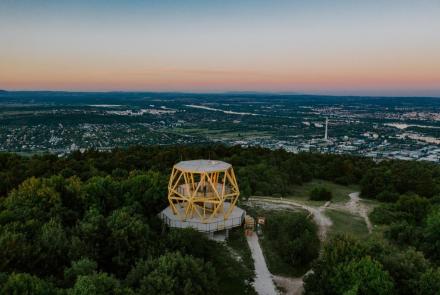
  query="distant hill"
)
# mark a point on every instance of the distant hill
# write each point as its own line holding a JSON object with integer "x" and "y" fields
{"x": 3, "y": 91}
{"x": 259, "y": 93}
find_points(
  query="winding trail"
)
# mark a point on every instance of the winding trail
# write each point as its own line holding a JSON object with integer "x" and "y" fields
{"x": 355, "y": 206}
{"x": 264, "y": 280}
{"x": 292, "y": 286}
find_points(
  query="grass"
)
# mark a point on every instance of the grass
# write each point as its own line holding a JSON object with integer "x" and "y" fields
{"x": 219, "y": 133}
{"x": 235, "y": 275}
{"x": 197, "y": 131}
{"x": 256, "y": 211}
{"x": 340, "y": 193}
{"x": 346, "y": 223}
{"x": 237, "y": 241}
{"x": 276, "y": 263}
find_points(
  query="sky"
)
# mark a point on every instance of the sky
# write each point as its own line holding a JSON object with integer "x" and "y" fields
{"x": 356, "y": 47}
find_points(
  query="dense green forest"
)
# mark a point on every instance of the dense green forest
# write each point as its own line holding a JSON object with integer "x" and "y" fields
{"x": 87, "y": 224}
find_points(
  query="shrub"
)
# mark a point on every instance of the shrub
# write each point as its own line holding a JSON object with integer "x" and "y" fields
{"x": 320, "y": 194}
{"x": 294, "y": 237}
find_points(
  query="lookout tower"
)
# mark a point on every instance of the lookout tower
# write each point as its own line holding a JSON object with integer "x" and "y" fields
{"x": 203, "y": 194}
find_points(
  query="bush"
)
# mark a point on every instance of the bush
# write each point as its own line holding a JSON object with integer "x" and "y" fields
{"x": 430, "y": 282}
{"x": 174, "y": 273}
{"x": 384, "y": 214}
{"x": 320, "y": 194}
{"x": 294, "y": 237}
{"x": 24, "y": 283}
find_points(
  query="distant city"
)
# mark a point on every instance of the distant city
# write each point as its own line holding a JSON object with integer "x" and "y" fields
{"x": 63, "y": 122}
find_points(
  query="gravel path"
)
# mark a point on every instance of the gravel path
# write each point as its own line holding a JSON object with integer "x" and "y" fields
{"x": 264, "y": 280}
{"x": 263, "y": 283}
{"x": 292, "y": 286}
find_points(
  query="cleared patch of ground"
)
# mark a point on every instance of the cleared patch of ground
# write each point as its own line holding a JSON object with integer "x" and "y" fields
{"x": 347, "y": 223}
{"x": 218, "y": 133}
{"x": 340, "y": 193}
{"x": 290, "y": 286}
{"x": 346, "y": 213}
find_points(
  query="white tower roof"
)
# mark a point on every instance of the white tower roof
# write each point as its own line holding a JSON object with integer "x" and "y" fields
{"x": 202, "y": 166}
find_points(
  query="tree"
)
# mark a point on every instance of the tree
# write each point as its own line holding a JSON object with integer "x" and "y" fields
{"x": 146, "y": 190}
{"x": 404, "y": 233}
{"x": 82, "y": 267}
{"x": 182, "y": 240}
{"x": 51, "y": 246}
{"x": 89, "y": 237}
{"x": 414, "y": 207}
{"x": 129, "y": 238}
{"x": 340, "y": 250}
{"x": 405, "y": 268}
{"x": 320, "y": 194}
{"x": 16, "y": 251}
{"x": 103, "y": 193}
{"x": 294, "y": 236}
{"x": 365, "y": 276}
{"x": 98, "y": 284}
{"x": 377, "y": 183}
{"x": 23, "y": 283}
{"x": 429, "y": 283}
{"x": 173, "y": 273}
{"x": 73, "y": 198}
{"x": 34, "y": 199}
{"x": 432, "y": 235}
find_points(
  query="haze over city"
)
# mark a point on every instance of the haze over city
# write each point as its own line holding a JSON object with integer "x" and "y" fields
{"x": 389, "y": 48}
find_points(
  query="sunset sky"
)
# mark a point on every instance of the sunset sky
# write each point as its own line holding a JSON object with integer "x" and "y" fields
{"x": 389, "y": 47}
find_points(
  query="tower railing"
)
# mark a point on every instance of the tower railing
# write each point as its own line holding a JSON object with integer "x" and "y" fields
{"x": 204, "y": 227}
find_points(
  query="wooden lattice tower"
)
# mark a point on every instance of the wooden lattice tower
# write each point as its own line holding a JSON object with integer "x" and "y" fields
{"x": 202, "y": 188}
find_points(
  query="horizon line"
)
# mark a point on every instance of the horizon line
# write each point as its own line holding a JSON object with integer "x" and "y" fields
{"x": 227, "y": 92}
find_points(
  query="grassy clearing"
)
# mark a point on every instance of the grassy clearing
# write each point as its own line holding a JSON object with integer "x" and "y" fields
{"x": 340, "y": 193}
{"x": 246, "y": 134}
{"x": 371, "y": 202}
{"x": 256, "y": 211}
{"x": 347, "y": 223}
{"x": 194, "y": 131}
{"x": 219, "y": 133}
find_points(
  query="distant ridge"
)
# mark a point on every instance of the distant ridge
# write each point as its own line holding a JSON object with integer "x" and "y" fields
{"x": 259, "y": 93}
{"x": 226, "y": 93}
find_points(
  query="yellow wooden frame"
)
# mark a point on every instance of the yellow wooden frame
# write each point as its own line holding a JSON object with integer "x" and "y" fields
{"x": 202, "y": 194}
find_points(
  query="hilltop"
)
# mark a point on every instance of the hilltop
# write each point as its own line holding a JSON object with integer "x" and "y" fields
{"x": 89, "y": 220}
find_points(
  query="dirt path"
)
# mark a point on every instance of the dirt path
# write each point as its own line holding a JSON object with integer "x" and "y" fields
{"x": 291, "y": 286}
{"x": 294, "y": 286}
{"x": 355, "y": 206}
{"x": 263, "y": 283}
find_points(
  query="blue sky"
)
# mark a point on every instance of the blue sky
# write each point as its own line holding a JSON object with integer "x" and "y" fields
{"x": 336, "y": 47}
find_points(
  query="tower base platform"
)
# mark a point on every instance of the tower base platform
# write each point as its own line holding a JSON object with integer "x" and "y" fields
{"x": 212, "y": 225}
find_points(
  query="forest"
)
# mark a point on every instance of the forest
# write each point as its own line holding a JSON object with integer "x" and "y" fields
{"x": 87, "y": 224}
